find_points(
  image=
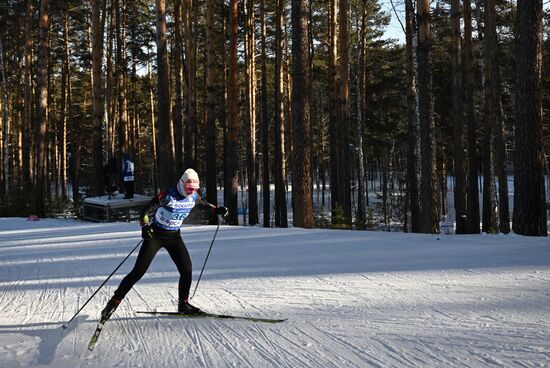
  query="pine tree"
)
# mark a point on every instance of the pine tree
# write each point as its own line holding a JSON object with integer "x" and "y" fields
{"x": 97, "y": 91}
{"x": 231, "y": 181}
{"x": 42, "y": 110}
{"x": 301, "y": 170}
{"x": 458, "y": 131}
{"x": 529, "y": 195}
{"x": 489, "y": 217}
{"x": 429, "y": 216}
{"x": 166, "y": 138}
{"x": 279, "y": 125}
{"x": 473, "y": 190}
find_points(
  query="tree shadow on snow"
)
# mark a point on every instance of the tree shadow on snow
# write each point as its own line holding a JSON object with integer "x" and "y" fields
{"x": 51, "y": 334}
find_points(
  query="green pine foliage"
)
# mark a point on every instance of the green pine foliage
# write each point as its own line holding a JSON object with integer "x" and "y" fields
{"x": 384, "y": 135}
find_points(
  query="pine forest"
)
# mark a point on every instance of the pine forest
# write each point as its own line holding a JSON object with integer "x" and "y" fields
{"x": 297, "y": 113}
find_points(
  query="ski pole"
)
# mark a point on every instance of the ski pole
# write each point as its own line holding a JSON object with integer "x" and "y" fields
{"x": 104, "y": 282}
{"x": 206, "y": 260}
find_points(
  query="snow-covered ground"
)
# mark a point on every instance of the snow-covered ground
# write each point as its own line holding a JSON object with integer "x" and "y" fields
{"x": 352, "y": 299}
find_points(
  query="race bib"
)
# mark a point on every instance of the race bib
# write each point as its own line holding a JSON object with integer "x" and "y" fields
{"x": 172, "y": 214}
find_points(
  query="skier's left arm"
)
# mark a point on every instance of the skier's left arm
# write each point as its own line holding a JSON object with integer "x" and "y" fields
{"x": 209, "y": 208}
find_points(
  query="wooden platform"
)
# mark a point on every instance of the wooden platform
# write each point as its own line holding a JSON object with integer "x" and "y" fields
{"x": 113, "y": 208}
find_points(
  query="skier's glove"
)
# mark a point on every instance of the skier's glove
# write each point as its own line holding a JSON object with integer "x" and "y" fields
{"x": 146, "y": 232}
{"x": 222, "y": 211}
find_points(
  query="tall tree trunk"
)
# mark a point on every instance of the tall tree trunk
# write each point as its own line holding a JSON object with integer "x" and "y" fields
{"x": 76, "y": 150}
{"x": 500, "y": 158}
{"x": 6, "y": 127}
{"x": 179, "y": 79}
{"x": 122, "y": 122}
{"x": 265, "y": 123}
{"x": 136, "y": 139}
{"x": 191, "y": 70}
{"x": 250, "y": 51}
{"x": 344, "y": 176}
{"x": 232, "y": 139}
{"x": 153, "y": 123}
{"x": 18, "y": 116}
{"x": 211, "y": 77}
{"x": 3, "y": 189}
{"x": 384, "y": 178}
{"x": 473, "y": 189}
{"x": 280, "y": 194}
{"x": 166, "y": 137}
{"x": 361, "y": 122}
{"x": 301, "y": 172}
{"x": 53, "y": 134}
{"x": 28, "y": 110}
{"x": 97, "y": 63}
{"x": 429, "y": 216}
{"x": 109, "y": 91}
{"x": 529, "y": 216}
{"x": 223, "y": 95}
{"x": 500, "y": 142}
{"x": 333, "y": 108}
{"x": 412, "y": 179}
{"x": 42, "y": 109}
{"x": 458, "y": 128}
{"x": 75, "y": 137}
{"x": 489, "y": 189}
{"x": 65, "y": 110}
{"x": 442, "y": 175}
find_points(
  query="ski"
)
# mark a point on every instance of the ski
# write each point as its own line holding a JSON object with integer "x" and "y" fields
{"x": 95, "y": 336}
{"x": 214, "y": 315}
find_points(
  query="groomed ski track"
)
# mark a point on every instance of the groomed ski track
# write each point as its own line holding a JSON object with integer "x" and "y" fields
{"x": 352, "y": 299}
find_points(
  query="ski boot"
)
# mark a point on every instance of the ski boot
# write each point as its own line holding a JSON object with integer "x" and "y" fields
{"x": 110, "y": 308}
{"x": 185, "y": 308}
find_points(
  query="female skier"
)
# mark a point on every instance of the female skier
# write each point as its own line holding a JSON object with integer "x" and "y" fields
{"x": 168, "y": 210}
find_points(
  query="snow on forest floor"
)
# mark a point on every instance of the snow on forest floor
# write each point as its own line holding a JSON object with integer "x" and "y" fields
{"x": 352, "y": 299}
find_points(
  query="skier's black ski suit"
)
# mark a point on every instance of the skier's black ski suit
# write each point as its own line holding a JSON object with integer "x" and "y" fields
{"x": 165, "y": 233}
{"x": 172, "y": 242}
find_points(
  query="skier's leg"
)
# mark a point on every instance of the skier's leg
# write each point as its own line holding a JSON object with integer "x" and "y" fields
{"x": 179, "y": 254}
{"x": 146, "y": 254}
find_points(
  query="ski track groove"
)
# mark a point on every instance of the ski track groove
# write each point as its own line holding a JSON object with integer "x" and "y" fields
{"x": 396, "y": 353}
{"x": 172, "y": 297}
{"x": 308, "y": 352}
{"x": 306, "y": 355}
{"x": 259, "y": 329}
{"x": 222, "y": 355}
{"x": 429, "y": 350}
{"x": 141, "y": 339}
{"x": 140, "y": 296}
{"x": 298, "y": 357}
{"x": 197, "y": 345}
{"x": 32, "y": 305}
{"x": 247, "y": 306}
{"x": 343, "y": 344}
{"x": 241, "y": 358}
{"x": 270, "y": 343}
{"x": 344, "y": 289}
{"x": 154, "y": 330}
{"x": 269, "y": 352}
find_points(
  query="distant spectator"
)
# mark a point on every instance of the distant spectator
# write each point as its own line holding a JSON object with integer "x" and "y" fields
{"x": 128, "y": 176}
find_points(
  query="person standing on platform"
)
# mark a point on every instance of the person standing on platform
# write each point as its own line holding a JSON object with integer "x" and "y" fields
{"x": 128, "y": 176}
